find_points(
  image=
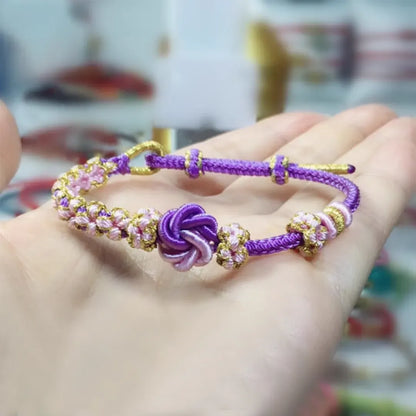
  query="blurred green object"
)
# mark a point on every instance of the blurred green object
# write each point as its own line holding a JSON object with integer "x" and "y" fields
{"x": 391, "y": 281}
{"x": 381, "y": 280}
{"x": 354, "y": 405}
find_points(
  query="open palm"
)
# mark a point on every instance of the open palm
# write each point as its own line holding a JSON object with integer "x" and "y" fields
{"x": 92, "y": 327}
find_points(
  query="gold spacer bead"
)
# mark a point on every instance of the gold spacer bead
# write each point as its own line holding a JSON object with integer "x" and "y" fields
{"x": 338, "y": 218}
{"x": 285, "y": 163}
{"x": 272, "y": 165}
{"x": 199, "y": 163}
{"x": 188, "y": 162}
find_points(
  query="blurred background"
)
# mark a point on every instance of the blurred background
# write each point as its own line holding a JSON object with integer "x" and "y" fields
{"x": 96, "y": 76}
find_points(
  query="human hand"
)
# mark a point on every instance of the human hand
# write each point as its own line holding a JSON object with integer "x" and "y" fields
{"x": 93, "y": 327}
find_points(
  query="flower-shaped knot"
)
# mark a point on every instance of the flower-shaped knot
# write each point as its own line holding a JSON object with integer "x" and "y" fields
{"x": 231, "y": 252}
{"x": 142, "y": 228}
{"x": 314, "y": 233}
{"x": 187, "y": 237}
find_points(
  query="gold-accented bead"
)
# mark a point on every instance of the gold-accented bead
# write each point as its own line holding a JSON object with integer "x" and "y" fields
{"x": 58, "y": 193}
{"x": 199, "y": 163}
{"x": 98, "y": 171}
{"x": 314, "y": 233}
{"x": 120, "y": 218}
{"x": 142, "y": 229}
{"x": 231, "y": 251}
{"x": 104, "y": 223}
{"x": 338, "y": 218}
{"x": 76, "y": 203}
{"x": 188, "y": 162}
{"x": 74, "y": 171}
{"x": 94, "y": 208}
{"x": 60, "y": 183}
{"x": 81, "y": 220}
{"x": 272, "y": 165}
{"x": 124, "y": 214}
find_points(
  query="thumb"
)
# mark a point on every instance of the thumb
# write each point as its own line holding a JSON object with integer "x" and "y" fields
{"x": 10, "y": 146}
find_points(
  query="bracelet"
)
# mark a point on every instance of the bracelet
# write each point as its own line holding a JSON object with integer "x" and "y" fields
{"x": 188, "y": 236}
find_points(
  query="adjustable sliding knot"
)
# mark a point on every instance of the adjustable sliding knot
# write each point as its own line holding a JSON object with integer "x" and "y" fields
{"x": 314, "y": 233}
{"x": 231, "y": 251}
{"x": 193, "y": 163}
{"x": 187, "y": 237}
{"x": 278, "y": 169}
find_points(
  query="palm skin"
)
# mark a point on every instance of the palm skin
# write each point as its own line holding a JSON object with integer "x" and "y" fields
{"x": 93, "y": 327}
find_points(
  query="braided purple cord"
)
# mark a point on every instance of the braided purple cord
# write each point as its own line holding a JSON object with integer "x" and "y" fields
{"x": 122, "y": 164}
{"x": 274, "y": 244}
{"x": 352, "y": 200}
{"x": 249, "y": 168}
{"x": 227, "y": 166}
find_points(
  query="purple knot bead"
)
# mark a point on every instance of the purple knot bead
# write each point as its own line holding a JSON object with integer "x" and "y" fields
{"x": 187, "y": 237}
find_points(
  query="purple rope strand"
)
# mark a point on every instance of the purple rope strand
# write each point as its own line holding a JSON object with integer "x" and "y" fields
{"x": 274, "y": 244}
{"x": 352, "y": 200}
{"x": 226, "y": 166}
{"x": 250, "y": 168}
{"x": 122, "y": 163}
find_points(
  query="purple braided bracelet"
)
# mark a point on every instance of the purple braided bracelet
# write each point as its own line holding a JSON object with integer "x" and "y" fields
{"x": 188, "y": 236}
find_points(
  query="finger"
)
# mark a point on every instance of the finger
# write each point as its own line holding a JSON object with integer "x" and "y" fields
{"x": 323, "y": 143}
{"x": 9, "y": 147}
{"x": 386, "y": 183}
{"x": 254, "y": 143}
